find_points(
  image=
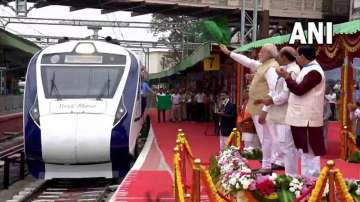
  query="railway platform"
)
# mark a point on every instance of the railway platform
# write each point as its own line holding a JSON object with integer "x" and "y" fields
{"x": 151, "y": 178}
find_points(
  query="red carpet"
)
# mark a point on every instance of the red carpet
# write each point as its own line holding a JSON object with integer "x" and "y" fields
{"x": 204, "y": 143}
{"x": 201, "y": 138}
{"x": 151, "y": 180}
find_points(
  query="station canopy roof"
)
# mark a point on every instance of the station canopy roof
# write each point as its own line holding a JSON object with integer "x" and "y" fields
{"x": 15, "y": 52}
{"x": 140, "y": 7}
{"x": 203, "y": 51}
{"x": 12, "y": 41}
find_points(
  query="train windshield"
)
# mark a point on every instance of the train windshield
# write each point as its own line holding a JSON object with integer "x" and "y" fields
{"x": 81, "y": 81}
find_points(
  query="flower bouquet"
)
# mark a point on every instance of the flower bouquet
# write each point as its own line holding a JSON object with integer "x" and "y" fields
{"x": 263, "y": 188}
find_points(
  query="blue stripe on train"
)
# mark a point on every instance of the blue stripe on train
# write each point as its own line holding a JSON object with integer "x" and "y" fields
{"x": 32, "y": 133}
{"x": 119, "y": 151}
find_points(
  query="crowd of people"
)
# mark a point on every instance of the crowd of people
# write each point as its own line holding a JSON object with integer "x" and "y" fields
{"x": 187, "y": 105}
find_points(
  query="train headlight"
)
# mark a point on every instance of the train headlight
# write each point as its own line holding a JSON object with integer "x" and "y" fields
{"x": 85, "y": 48}
{"x": 120, "y": 112}
{"x": 35, "y": 113}
{"x": 55, "y": 58}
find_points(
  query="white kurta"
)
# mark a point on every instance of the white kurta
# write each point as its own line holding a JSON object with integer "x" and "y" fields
{"x": 283, "y": 143}
{"x": 265, "y": 132}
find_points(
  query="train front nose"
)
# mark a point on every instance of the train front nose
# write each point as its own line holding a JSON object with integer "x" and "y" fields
{"x": 76, "y": 138}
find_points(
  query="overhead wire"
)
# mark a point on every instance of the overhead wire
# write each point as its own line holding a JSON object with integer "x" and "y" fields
{"x": 121, "y": 33}
{"x": 115, "y": 34}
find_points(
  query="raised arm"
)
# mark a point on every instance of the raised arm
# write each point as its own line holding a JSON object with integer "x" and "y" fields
{"x": 242, "y": 59}
{"x": 245, "y": 61}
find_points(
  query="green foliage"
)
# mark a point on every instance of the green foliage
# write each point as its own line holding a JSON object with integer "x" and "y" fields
{"x": 255, "y": 154}
{"x": 282, "y": 183}
{"x": 355, "y": 157}
{"x": 180, "y": 30}
{"x": 214, "y": 169}
{"x": 352, "y": 187}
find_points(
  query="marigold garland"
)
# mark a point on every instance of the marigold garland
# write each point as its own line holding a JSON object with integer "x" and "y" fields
{"x": 238, "y": 139}
{"x": 178, "y": 180}
{"x": 230, "y": 139}
{"x": 341, "y": 182}
{"x": 331, "y": 51}
{"x": 214, "y": 197}
{"x": 319, "y": 184}
{"x": 351, "y": 46}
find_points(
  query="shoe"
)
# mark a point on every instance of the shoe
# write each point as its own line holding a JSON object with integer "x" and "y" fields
{"x": 263, "y": 171}
{"x": 277, "y": 167}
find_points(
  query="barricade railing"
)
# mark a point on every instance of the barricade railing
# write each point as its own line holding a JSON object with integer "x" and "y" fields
{"x": 234, "y": 138}
{"x": 348, "y": 135}
{"x": 336, "y": 182}
{"x": 182, "y": 156}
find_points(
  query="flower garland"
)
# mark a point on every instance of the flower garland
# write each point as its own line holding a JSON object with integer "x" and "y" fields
{"x": 212, "y": 192}
{"x": 331, "y": 51}
{"x": 319, "y": 185}
{"x": 230, "y": 139}
{"x": 339, "y": 179}
{"x": 178, "y": 180}
{"x": 350, "y": 44}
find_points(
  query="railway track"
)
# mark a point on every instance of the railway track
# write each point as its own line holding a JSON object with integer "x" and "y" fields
{"x": 68, "y": 190}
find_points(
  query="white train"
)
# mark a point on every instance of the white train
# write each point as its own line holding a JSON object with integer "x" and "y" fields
{"x": 82, "y": 110}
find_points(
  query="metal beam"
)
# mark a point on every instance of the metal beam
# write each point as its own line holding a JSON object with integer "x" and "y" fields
{"x": 75, "y": 22}
{"x": 75, "y": 8}
{"x": 204, "y": 10}
{"x": 130, "y": 7}
{"x": 48, "y": 40}
{"x": 254, "y": 28}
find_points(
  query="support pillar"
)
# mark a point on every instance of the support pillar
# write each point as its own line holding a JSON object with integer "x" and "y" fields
{"x": 264, "y": 20}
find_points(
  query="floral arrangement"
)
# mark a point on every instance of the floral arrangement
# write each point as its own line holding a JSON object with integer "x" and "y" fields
{"x": 355, "y": 157}
{"x": 252, "y": 153}
{"x": 232, "y": 176}
{"x": 354, "y": 189}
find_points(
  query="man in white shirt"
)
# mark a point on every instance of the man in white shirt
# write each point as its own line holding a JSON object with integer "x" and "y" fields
{"x": 263, "y": 82}
{"x": 200, "y": 107}
{"x": 284, "y": 148}
{"x": 331, "y": 98}
{"x": 175, "y": 109}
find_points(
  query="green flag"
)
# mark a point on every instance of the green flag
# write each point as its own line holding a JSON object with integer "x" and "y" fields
{"x": 218, "y": 29}
{"x": 163, "y": 102}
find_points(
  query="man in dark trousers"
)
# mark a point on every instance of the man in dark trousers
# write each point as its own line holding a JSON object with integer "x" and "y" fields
{"x": 306, "y": 109}
{"x": 227, "y": 118}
